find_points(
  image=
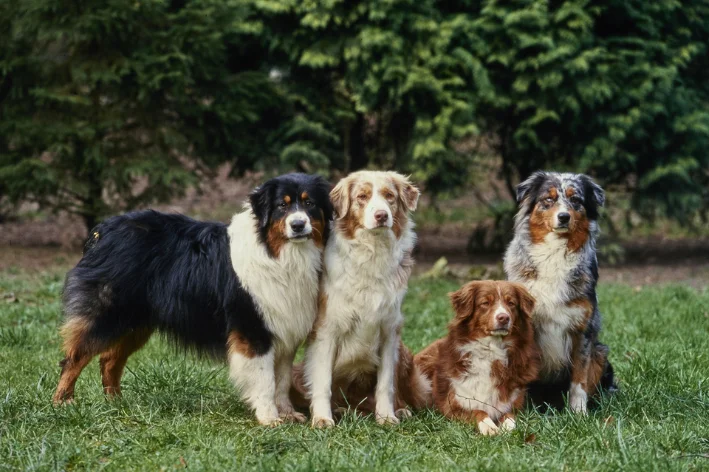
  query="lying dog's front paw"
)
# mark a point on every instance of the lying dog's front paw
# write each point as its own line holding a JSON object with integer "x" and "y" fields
{"x": 322, "y": 422}
{"x": 487, "y": 427}
{"x": 508, "y": 425}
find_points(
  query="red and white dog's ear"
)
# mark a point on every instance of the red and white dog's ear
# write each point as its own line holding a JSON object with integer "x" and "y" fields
{"x": 408, "y": 193}
{"x": 463, "y": 301}
{"x": 525, "y": 300}
{"x": 340, "y": 197}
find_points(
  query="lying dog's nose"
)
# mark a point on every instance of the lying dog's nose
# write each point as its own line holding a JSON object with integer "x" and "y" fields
{"x": 381, "y": 216}
{"x": 297, "y": 226}
{"x": 563, "y": 218}
{"x": 502, "y": 318}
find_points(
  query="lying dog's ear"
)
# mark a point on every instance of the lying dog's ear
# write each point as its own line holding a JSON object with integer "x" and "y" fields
{"x": 261, "y": 199}
{"x": 594, "y": 196}
{"x": 340, "y": 197}
{"x": 525, "y": 300}
{"x": 408, "y": 193}
{"x": 530, "y": 186}
{"x": 463, "y": 301}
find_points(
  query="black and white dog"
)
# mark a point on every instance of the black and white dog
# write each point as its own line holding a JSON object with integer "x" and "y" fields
{"x": 553, "y": 254}
{"x": 247, "y": 291}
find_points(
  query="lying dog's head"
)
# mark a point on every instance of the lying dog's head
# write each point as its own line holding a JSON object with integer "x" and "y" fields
{"x": 373, "y": 201}
{"x": 292, "y": 208}
{"x": 564, "y": 204}
{"x": 491, "y": 308}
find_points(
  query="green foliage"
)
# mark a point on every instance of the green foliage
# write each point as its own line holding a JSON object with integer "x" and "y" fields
{"x": 387, "y": 78}
{"x": 107, "y": 105}
{"x": 615, "y": 88}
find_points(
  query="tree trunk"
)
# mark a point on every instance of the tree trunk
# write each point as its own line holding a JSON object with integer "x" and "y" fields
{"x": 90, "y": 222}
{"x": 356, "y": 150}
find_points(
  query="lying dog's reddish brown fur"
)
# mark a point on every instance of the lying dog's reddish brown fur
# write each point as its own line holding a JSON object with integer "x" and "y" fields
{"x": 479, "y": 373}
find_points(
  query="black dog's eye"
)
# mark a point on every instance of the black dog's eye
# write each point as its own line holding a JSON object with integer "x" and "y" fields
{"x": 308, "y": 203}
{"x": 282, "y": 205}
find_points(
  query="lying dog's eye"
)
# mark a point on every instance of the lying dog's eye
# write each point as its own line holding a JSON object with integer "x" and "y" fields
{"x": 282, "y": 205}
{"x": 389, "y": 196}
{"x": 511, "y": 303}
{"x": 361, "y": 196}
{"x": 485, "y": 304}
{"x": 308, "y": 203}
{"x": 549, "y": 201}
{"x": 576, "y": 200}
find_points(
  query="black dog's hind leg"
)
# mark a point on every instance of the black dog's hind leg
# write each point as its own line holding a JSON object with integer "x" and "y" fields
{"x": 113, "y": 360}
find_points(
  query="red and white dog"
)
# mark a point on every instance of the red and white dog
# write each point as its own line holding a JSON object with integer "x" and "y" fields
{"x": 479, "y": 373}
{"x": 354, "y": 349}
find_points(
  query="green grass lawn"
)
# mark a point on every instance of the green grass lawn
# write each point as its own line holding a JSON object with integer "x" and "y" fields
{"x": 179, "y": 412}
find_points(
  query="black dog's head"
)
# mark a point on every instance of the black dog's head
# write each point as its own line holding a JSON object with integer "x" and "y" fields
{"x": 564, "y": 204}
{"x": 292, "y": 208}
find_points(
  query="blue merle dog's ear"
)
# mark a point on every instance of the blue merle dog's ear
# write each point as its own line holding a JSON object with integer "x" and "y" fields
{"x": 594, "y": 196}
{"x": 261, "y": 199}
{"x": 530, "y": 186}
{"x": 593, "y": 190}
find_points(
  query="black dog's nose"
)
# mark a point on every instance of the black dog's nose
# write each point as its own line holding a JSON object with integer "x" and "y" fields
{"x": 297, "y": 225}
{"x": 563, "y": 218}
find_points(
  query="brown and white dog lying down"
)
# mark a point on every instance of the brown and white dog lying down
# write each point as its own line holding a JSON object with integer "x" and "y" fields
{"x": 354, "y": 355}
{"x": 479, "y": 373}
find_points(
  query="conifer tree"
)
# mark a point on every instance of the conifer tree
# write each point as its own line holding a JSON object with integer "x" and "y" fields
{"x": 106, "y": 105}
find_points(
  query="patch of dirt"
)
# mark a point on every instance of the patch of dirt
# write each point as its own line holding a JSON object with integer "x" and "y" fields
{"x": 38, "y": 243}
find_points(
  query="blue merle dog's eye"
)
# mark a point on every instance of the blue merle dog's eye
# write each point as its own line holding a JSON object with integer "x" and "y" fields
{"x": 576, "y": 200}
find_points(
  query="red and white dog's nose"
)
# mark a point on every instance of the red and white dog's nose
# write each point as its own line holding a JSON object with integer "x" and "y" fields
{"x": 502, "y": 318}
{"x": 381, "y": 216}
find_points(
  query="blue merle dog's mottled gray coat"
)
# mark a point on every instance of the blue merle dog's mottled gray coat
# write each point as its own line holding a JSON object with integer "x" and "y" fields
{"x": 553, "y": 254}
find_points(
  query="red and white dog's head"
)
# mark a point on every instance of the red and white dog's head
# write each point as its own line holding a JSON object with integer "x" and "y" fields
{"x": 373, "y": 201}
{"x": 491, "y": 308}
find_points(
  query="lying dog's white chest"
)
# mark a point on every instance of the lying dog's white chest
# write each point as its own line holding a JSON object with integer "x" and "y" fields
{"x": 477, "y": 389}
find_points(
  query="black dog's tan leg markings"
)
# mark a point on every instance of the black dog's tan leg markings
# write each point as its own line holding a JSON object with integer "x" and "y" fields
{"x": 114, "y": 360}
{"x": 79, "y": 351}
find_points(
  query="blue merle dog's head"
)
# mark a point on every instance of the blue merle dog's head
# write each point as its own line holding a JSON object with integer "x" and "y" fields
{"x": 561, "y": 203}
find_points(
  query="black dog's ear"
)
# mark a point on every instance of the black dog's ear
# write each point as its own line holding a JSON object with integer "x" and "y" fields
{"x": 594, "y": 196}
{"x": 530, "y": 185}
{"x": 261, "y": 199}
{"x": 323, "y": 193}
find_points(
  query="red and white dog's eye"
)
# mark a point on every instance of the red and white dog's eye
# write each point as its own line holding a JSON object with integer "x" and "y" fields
{"x": 362, "y": 197}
